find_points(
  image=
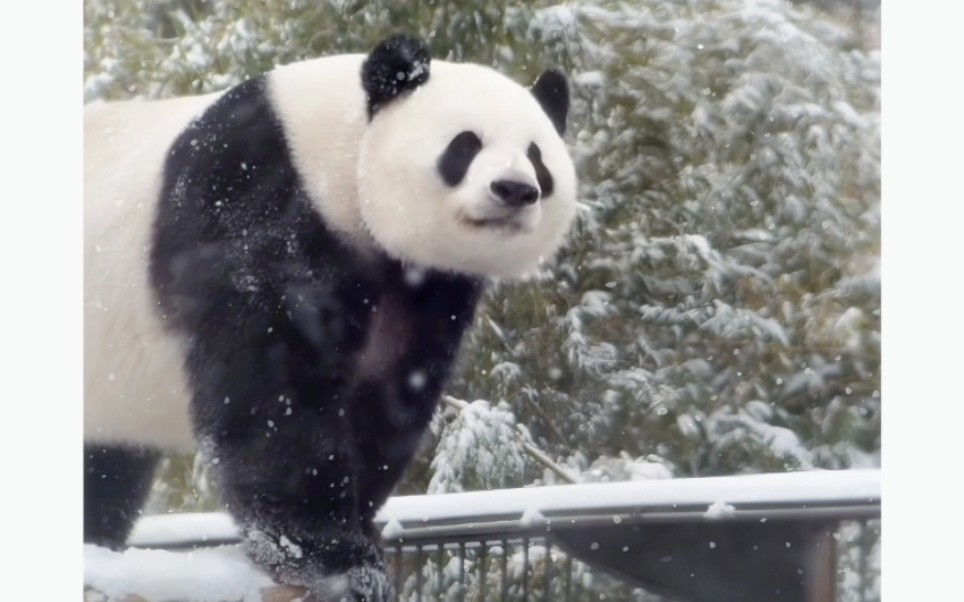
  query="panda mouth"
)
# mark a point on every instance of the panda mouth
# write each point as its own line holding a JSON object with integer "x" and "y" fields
{"x": 509, "y": 223}
{"x": 506, "y": 222}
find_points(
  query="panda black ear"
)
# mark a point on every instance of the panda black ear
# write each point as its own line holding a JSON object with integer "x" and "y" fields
{"x": 552, "y": 92}
{"x": 395, "y": 66}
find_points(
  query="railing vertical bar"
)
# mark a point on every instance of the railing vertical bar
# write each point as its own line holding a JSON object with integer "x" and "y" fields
{"x": 439, "y": 583}
{"x": 568, "y": 577}
{"x": 505, "y": 569}
{"x": 398, "y": 566}
{"x": 483, "y": 555}
{"x": 548, "y": 562}
{"x": 462, "y": 570}
{"x": 419, "y": 565}
{"x": 525, "y": 568}
{"x": 862, "y": 560}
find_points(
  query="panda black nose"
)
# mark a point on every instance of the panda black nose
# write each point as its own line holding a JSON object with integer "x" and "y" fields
{"x": 514, "y": 194}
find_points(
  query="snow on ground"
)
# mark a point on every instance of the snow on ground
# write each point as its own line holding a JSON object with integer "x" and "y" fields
{"x": 204, "y": 575}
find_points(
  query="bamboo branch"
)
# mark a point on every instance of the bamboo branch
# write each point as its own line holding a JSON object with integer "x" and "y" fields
{"x": 539, "y": 455}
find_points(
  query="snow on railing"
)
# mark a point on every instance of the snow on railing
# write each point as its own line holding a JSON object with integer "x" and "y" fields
{"x": 839, "y": 494}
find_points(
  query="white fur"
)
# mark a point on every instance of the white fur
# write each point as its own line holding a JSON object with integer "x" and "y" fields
{"x": 321, "y": 105}
{"x": 135, "y": 388}
{"x": 372, "y": 183}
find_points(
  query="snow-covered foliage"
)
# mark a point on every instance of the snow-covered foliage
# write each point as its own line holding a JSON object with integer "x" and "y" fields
{"x": 183, "y": 484}
{"x": 719, "y": 305}
{"x": 717, "y": 309}
{"x": 160, "y": 48}
{"x": 625, "y": 468}
{"x": 478, "y": 449}
{"x": 859, "y": 562}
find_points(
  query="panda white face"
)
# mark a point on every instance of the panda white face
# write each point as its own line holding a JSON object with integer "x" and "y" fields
{"x": 466, "y": 173}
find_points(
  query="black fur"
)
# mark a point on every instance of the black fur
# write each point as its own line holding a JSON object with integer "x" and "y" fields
{"x": 117, "y": 480}
{"x": 552, "y": 92}
{"x": 310, "y": 435}
{"x": 397, "y": 65}
{"x": 546, "y": 183}
{"x": 457, "y": 156}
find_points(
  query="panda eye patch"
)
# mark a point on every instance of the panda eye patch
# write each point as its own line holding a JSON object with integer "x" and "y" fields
{"x": 454, "y": 162}
{"x": 542, "y": 172}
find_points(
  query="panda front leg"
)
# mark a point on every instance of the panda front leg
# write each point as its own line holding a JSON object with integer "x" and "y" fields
{"x": 117, "y": 480}
{"x": 270, "y": 412}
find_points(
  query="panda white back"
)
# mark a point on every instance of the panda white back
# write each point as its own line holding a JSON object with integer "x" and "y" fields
{"x": 134, "y": 386}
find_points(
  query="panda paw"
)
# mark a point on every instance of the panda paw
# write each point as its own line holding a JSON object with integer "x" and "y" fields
{"x": 346, "y": 568}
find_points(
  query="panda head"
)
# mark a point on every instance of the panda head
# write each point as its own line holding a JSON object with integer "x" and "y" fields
{"x": 461, "y": 169}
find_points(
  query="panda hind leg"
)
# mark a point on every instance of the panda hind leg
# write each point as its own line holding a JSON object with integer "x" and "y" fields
{"x": 117, "y": 481}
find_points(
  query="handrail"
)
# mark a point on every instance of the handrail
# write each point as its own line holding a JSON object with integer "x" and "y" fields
{"x": 801, "y": 496}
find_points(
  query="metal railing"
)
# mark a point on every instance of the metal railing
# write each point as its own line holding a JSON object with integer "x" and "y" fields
{"x": 807, "y": 537}
{"x": 514, "y": 569}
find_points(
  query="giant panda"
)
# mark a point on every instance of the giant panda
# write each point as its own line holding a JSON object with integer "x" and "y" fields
{"x": 280, "y": 275}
